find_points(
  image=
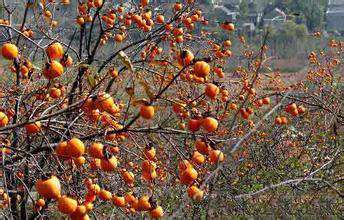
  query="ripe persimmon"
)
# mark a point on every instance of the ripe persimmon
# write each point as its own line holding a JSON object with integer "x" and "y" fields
{"x": 148, "y": 165}
{"x": 130, "y": 198}
{"x": 40, "y": 202}
{"x": 178, "y": 31}
{"x": 294, "y": 112}
{"x": 183, "y": 165}
{"x": 210, "y": 124}
{"x": 195, "y": 193}
{"x": 67, "y": 61}
{"x": 75, "y": 147}
{"x": 301, "y": 109}
{"x": 178, "y": 107}
{"x": 178, "y": 6}
{"x": 120, "y": 9}
{"x": 33, "y": 128}
{"x": 113, "y": 72}
{"x": 119, "y": 38}
{"x": 291, "y": 107}
{"x": 144, "y": 2}
{"x": 188, "y": 176}
{"x": 61, "y": 149}
{"x": 67, "y": 205}
{"x": 95, "y": 164}
{"x": 55, "y": 93}
{"x": 160, "y": 19}
{"x": 47, "y": 13}
{"x": 104, "y": 101}
{"x": 194, "y": 125}
{"x": 228, "y": 26}
{"x": 233, "y": 106}
{"x": 249, "y": 110}
{"x": 202, "y": 147}
{"x": 198, "y": 158}
{"x": 3, "y": 119}
{"x": 201, "y": 69}
{"x": 53, "y": 70}
{"x": 65, "y": 2}
{"x": 244, "y": 114}
{"x": 149, "y": 152}
{"x": 211, "y": 90}
{"x": 9, "y": 51}
{"x": 89, "y": 198}
{"x": 109, "y": 165}
{"x": 79, "y": 161}
{"x": 168, "y": 27}
{"x": 49, "y": 188}
{"x": 24, "y": 71}
{"x": 216, "y": 156}
{"x": 149, "y": 175}
{"x": 98, "y": 3}
{"x": 55, "y": 51}
{"x": 114, "y": 150}
{"x": 94, "y": 189}
{"x": 219, "y": 72}
{"x": 266, "y": 101}
{"x": 79, "y": 213}
{"x": 170, "y": 70}
{"x": 227, "y": 43}
{"x": 185, "y": 57}
{"x": 147, "y": 111}
{"x": 157, "y": 212}
{"x": 89, "y": 206}
{"x": 80, "y": 21}
{"x": 118, "y": 201}
{"x": 128, "y": 177}
{"x": 96, "y": 150}
{"x": 284, "y": 120}
{"x": 144, "y": 203}
{"x": 105, "y": 195}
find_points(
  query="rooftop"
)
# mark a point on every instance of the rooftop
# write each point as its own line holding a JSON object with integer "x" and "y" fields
{"x": 335, "y": 2}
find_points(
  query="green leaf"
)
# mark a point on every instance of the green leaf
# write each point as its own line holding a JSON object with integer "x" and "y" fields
{"x": 123, "y": 57}
{"x": 91, "y": 81}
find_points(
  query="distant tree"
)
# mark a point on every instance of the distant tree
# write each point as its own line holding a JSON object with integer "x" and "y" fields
{"x": 1, "y": 10}
{"x": 312, "y": 10}
{"x": 286, "y": 39}
{"x": 309, "y": 11}
{"x": 243, "y": 10}
{"x": 207, "y": 2}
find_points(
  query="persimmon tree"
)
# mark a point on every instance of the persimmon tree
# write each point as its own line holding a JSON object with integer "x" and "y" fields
{"x": 126, "y": 110}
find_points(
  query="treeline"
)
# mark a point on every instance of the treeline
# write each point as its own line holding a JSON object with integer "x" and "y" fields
{"x": 290, "y": 39}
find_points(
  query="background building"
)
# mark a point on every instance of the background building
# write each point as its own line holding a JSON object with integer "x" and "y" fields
{"x": 335, "y": 15}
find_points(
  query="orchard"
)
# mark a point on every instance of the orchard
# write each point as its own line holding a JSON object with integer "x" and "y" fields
{"x": 120, "y": 110}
